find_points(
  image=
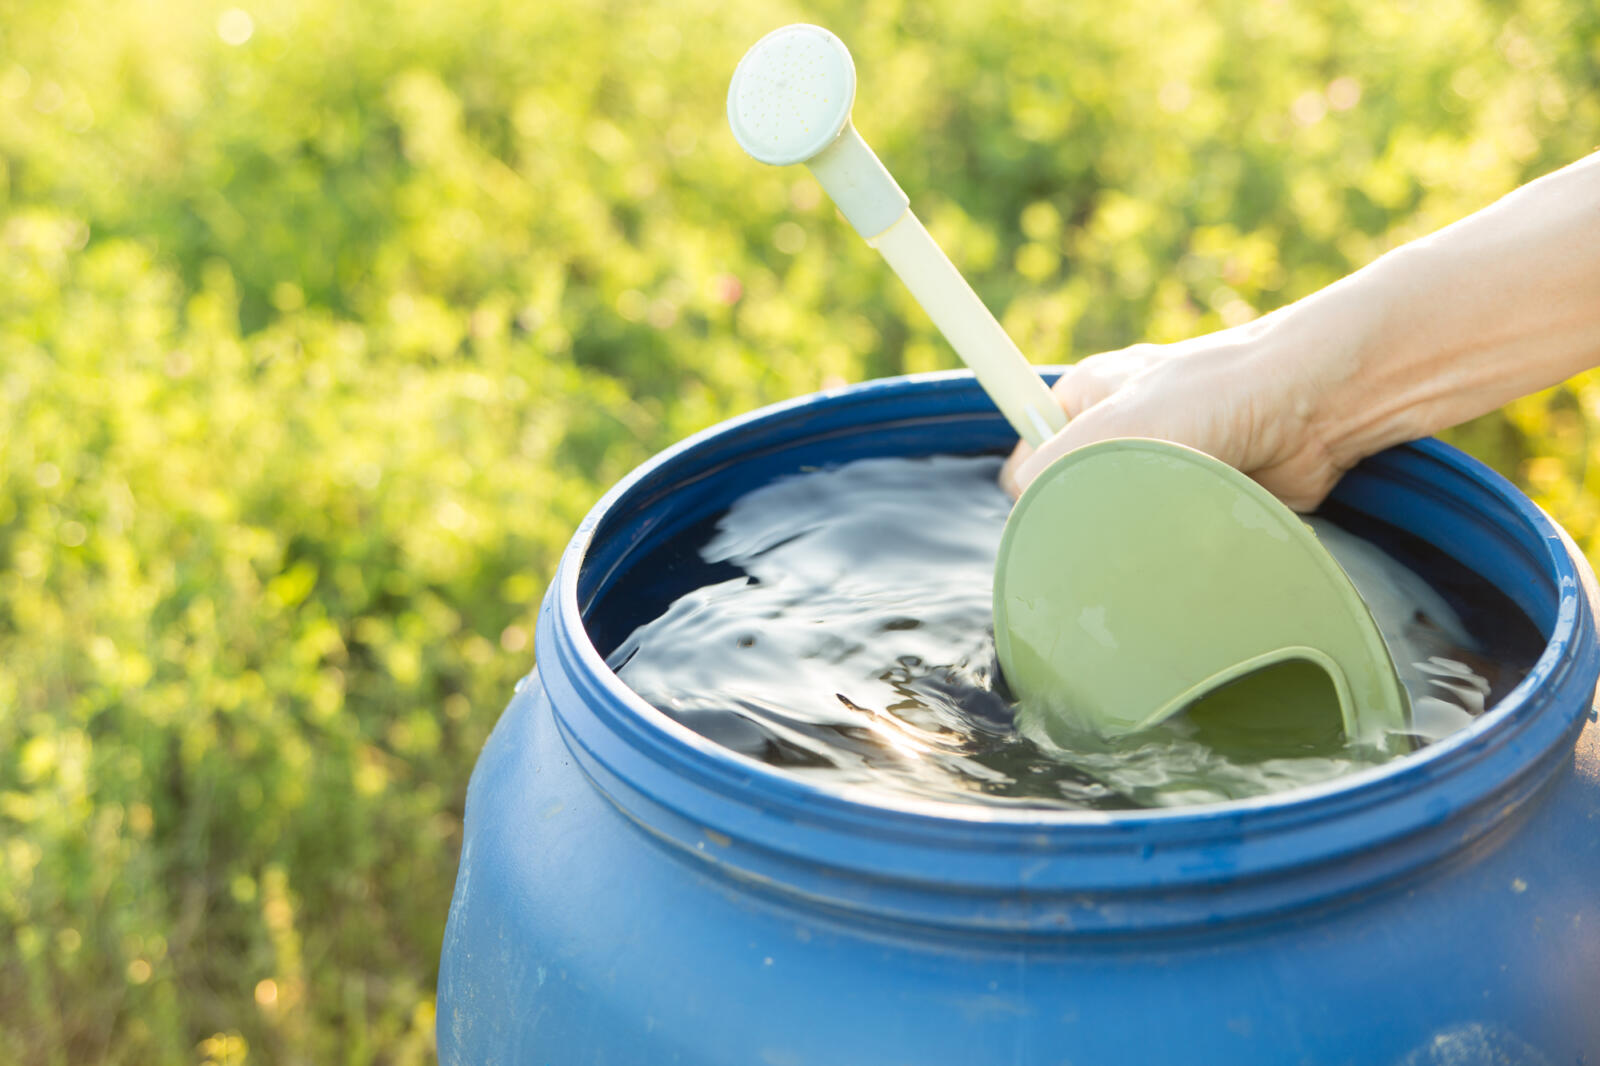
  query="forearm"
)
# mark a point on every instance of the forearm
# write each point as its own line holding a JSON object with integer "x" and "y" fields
{"x": 1503, "y": 303}
{"x": 1498, "y": 305}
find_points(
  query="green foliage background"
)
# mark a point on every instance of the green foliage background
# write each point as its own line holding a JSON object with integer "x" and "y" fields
{"x": 314, "y": 349}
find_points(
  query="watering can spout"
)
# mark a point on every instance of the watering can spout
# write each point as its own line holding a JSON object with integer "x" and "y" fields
{"x": 1323, "y": 673}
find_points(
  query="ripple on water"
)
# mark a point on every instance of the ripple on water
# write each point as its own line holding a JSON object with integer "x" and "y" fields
{"x": 856, "y": 646}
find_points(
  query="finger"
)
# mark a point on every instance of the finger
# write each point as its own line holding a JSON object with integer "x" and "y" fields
{"x": 1078, "y": 389}
{"x": 1302, "y": 482}
{"x": 1008, "y": 470}
{"x": 1102, "y": 422}
{"x": 1091, "y": 380}
{"x": 1075, "y": 392}
{"x": 1072, "y": 401}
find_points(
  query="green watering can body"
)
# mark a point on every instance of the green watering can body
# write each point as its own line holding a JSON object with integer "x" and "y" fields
{"x": 1138, "y": 579}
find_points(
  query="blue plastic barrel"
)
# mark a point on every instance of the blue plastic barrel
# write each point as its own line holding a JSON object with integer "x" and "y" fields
{"x": 632, "y": 894}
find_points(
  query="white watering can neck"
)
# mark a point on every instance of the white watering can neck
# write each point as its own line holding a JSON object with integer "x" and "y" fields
{"x": 789, "y": 102}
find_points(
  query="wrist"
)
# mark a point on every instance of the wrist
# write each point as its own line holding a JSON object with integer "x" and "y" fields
{"x": 1336, "y": 353}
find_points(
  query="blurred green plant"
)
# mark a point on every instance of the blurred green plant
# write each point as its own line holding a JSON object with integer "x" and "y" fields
{"x": 321, "y": 325}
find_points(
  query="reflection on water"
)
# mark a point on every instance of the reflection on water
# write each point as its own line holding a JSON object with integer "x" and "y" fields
{"x": 855, "y": 646}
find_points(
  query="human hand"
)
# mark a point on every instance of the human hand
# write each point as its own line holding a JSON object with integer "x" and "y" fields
{"x": 1446, "y": 328}
{"x": 1236, "y": 395}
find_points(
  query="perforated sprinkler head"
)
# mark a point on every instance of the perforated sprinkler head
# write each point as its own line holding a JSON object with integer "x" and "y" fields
{"x": 791, "y": 95}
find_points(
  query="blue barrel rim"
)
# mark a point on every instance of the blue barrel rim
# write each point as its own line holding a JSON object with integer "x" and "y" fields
{"x": 1563, "y": 636}
{"x": 708, "y": 792}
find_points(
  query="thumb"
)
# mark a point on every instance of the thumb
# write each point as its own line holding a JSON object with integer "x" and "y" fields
{"x": 1013, "y": 463}
{"x": 1076, "y": 390}
{"x": 1103, "y": 421}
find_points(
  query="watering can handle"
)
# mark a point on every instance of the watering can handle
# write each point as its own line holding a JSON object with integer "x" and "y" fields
{"x": 978, "y": 338}
{"x": 873, "y": 202}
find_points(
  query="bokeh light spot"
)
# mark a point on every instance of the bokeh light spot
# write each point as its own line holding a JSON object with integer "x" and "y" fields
{"x": 235, "y": 26}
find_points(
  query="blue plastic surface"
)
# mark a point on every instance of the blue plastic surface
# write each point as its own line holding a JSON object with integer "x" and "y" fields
{"x": 630, "y": 893}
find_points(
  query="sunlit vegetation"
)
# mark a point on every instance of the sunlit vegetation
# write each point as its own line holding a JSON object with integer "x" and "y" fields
{"x": 322, "y": 325}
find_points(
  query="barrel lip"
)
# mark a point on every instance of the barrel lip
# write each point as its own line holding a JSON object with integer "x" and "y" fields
{"x": 782, "y": 829}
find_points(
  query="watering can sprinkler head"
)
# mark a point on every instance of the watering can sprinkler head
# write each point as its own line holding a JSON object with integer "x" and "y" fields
{"x": 789, "y": 102}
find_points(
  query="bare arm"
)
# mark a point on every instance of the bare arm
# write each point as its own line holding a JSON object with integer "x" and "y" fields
{"x": 1500, "y": 304}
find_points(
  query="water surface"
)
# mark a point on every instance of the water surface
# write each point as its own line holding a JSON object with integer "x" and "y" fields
{"x": 844, "y": 632}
